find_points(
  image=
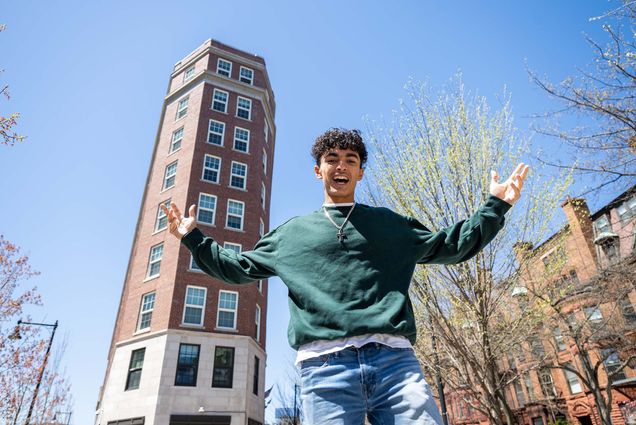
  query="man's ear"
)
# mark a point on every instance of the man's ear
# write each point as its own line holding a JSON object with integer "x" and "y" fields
{"x": 361, "y": 174}
{"x": 317, "y": 171}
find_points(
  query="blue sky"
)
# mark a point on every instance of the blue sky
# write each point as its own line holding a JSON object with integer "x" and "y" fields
{"x": 89, "y": 79}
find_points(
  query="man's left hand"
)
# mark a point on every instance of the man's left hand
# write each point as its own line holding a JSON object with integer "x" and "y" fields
{"x": 510, "y": 190}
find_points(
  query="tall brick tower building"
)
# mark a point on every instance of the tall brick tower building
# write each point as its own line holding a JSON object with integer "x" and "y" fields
{"x": 188, "y": 349}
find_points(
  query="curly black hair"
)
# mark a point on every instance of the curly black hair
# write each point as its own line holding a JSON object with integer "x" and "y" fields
{"x": 339, "y": 138}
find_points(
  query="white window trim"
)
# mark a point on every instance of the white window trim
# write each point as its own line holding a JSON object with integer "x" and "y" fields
{"x": 249, "y": 115}
{"x": 185, "y": 304}
{"x": 249, "y": 136}
{"x": 161, "y": 214}
{"x": 218, "y": 66}
{"x": 251, "y": 83}
{"x": 257, "y": 319}
{"x": 266, "y": 131}
{"x": 232, "y": 175}
{"x": 261, "y": 229}
{"x": 218, "y": 172}
{"x": 207, "y": 139}
{"x": 187, "y": 99}
{"x": 151, "y": 262}
{"x": 227, "y": 100}
{"x": 259, "y": 285}
{"x": 219, "y": 309}
{"x": 172, "y": 140}
{"x": 190, "y": 268}
{"x": 264, "y": 162}
{"x": 142, "y": 312}
{"x": 227, "y": 215}
{"x": 240, "y": 247}
{"x": 166, "y": 177}
{"x": 187, "y": 77}
{"x": 199, "y": 208}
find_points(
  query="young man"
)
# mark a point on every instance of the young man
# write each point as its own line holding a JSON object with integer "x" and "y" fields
{"x": 348, "y": 268}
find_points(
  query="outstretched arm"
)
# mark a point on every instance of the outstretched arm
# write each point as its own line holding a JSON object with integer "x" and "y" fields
{"x": 510, "y": 190}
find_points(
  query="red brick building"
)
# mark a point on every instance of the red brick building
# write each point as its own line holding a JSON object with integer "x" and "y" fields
{"x": 591, "y": 251}
{"x": 187, "y": 348}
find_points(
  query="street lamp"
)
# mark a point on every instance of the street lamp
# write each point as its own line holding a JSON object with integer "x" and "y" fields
{"x": 16, "y": 335}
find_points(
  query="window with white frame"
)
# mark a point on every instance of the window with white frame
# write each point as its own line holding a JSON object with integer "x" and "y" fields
{"x": 594, "y": 316}
{"x": 145, "y": 311}
{"x": 177, "y": 137}
{"x": 193, "y": 265}
{"x": 182, "y": 108}
{"x": 211, "y": 168}
{"x": 626, "y": 210}
{"x": 263, "y": 195}
{"x": 194, "y": 306}
{"x": 216, "y": 130}
{"x": 236, "y": 247}
{"x": 266, "y": 131}
{"x": 189, "y": 73}
{"x": 264, "y": 161}
{"x": 257, "y": 319}
{"x": 243, "y": 108}
{"x": 261, "y": 228}
{"x": 235, "y": 210}
{"x": 228, "y": 306}
{"x": 207, "y": 208}
{"x": 573, "y": 380}
{"x": 224, "y": 67}
{"x": 558, "y": 339}
{"x": 170, "y": 175}
{"x": 238, "y": 175}
{"x": 219, "y": 100}
{"x": 154, "y": 260}
{"x": 134, "y": 369}
{"x": 602, "y": 224}
{"x": 246, "y": 75}
{"x": 162, "y": 219}
{"x": 259, "y": 285}
{"x": 241, "y": 139}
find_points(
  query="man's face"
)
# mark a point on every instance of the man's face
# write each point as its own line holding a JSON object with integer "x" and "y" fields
{"x": 340, "y": 171}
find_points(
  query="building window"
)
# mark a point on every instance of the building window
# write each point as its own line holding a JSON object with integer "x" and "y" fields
{"x": 238, "y": 175}
{"x": 211, "y": 168}
{"x": 223, "y": 367}
{"x": 257, "y": 320}
{"x": 626, "y": 210}
{"x": 224, "y": 67}
{"x": 558, "y": 339}
{"x": 546, "y": 382}
{"x": 246, "y": 75}
{"x": 264, "y": 161}
{"x": 193, "y": 265}
{"x": 170, "y": 175}
{"x": 228, "y": 305}
{"x": 177, "y": 137}
{"x": 236, "y": 247}
{"x": 216, "y": 130}
{"x": 182, "y": 108}
{"x": 162, "y": 219}
{"x": 134, "y": 369}
{"x": 243, "y": 108}
{"x": 261, "y": 228}
{"x": 594, "y": 317}
{"x": 187, "y": 365}
{"x": 610, "y": 248}
{"x": 529, "y": 387}
{"x": 521, "y": 399}
{"x": 145, "y": 312}
{"x": 573, "y": 380}
{"x": 537, "y": 420}
{"x": 241, "y": 139}
{"x": 266, "y": 131}
{"x": 235, "y": 211}
{"x": 612, "y": 363}
{"x": 259, "y": 285}
{"x": 219, "y": 100}
{"x": 189, "y": 73}
{"x": 194, "y": 306}
{"x": 627, "y": 309}
{"x": 263, "y": 195}
{"x": 154, "y": 262}
{"x": 206, "y": 209}
{"x": 602, "y": 224}
{"x": 536, "y": 347}
{"x": 257, "y": 367}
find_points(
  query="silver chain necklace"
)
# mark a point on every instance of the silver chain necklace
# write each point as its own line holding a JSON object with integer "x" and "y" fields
{"x": 340, "y": 235}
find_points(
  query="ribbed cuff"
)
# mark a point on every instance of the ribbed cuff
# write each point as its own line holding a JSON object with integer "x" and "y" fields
{"x": 496, "y": 205}
{"x": 193, "y": 238}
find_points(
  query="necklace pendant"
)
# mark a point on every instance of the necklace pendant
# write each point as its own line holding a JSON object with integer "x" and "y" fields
{"x": 341, "y": 235}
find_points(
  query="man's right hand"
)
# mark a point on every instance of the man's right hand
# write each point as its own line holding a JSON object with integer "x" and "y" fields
{"x": 177, "y": 223}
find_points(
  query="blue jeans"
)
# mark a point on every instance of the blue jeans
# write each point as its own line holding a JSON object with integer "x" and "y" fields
{"x": 385, "y": 384}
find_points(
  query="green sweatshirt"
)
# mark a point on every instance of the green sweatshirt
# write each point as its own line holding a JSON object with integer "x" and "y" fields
{"x": 359, "y": 286}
